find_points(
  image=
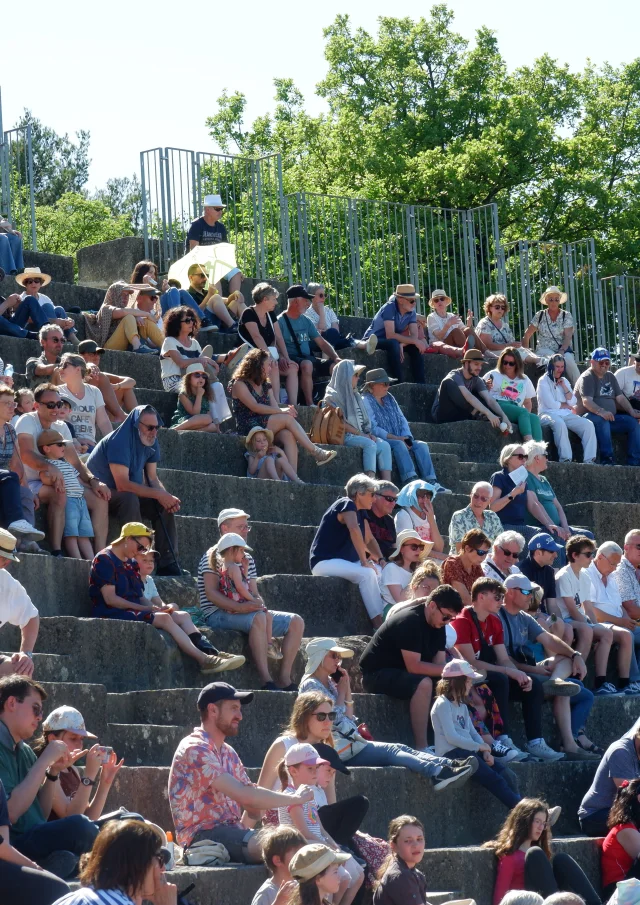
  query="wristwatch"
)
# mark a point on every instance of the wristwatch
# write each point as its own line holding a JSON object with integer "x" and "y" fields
{"x": 88, "y": 782}
{"x": 52, "y": 777}
{"x": 509, "y": 497}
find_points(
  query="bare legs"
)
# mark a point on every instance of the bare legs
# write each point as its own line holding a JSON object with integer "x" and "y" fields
{"x": 419, "y": 710}
{"x": 78, "y": 547}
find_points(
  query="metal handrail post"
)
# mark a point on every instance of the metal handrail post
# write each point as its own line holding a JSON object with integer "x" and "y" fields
{"x": 32, "y": 199}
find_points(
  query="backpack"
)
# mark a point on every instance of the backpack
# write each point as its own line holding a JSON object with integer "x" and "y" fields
{"x": 327, "y": 426}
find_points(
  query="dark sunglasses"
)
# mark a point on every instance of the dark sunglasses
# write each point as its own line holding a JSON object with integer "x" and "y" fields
{"x": 414, "y": 547}
{"x": 446, "y": 617}
{"x": 37, "y": 282}
{"x": 510, "y": 364}
{"x": 525, "y": 593}
{"x": 482, "y": 552}
{"x": 57, "y": 443}
{"x": 198, "y": 374}
{"x": 52, "y": 405}
{"x": 321, "y": 717}
{"x": 141, "y": 547}
{"x": 218, "y": 209}
{"x": 519, "y": 456}
{"x": 37, "y": 709}
{"x": 188, "y": 320}
{"x": 500, "y": 307}
{"x": 510, "y": 554}
{"x": 150, "y": 427}
{"x": 389, "y": 499}
{"x": 589, "y": 553}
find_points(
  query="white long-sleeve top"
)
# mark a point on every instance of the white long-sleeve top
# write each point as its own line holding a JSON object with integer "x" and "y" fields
{"x": 551, "y": 395}
{"x": 16, "y": 607}
{"x": 452, "y": 727}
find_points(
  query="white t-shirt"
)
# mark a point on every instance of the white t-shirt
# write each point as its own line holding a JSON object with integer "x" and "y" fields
{"x": 16, "y": 607}
{"x": 508, "y": 390}
{"x": 150, "y": 590}
{"x": 629, "y": 381}
{"x": 392, "y": 574}
{"x": 435, "y": 322}
{"x": 42, "y": 299}
{"x": 568, "y": 585}
{"x": 405, "y": 519}
{"x": 30, "y": 424}
{"x": 168, "y": 367}
{"x": 83, "y": 411}
{"x": 605, "y": 596}
{"x": 331, "y": 318}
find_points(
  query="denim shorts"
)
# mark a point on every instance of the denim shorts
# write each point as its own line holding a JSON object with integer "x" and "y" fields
{"x": 241, "y": 622}
{"x": 77, "y": 521}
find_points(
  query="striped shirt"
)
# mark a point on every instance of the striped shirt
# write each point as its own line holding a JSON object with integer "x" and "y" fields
{"x": 71, "y": 483}
{"x": 88, "y": 896}
{"x": 206, "y": 605}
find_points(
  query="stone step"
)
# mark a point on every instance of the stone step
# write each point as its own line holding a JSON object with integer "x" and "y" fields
{"x": 608, "y": 521}
{"x": 59, "y": 267}
{"x": 66, "y": 294}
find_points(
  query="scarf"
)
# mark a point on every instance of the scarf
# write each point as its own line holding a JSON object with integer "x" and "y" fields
{"x": 408, "y": 496}
{"x": 341, "y": 394}
{"x": 386, "y": 414}
{"x": 100, "y": 326}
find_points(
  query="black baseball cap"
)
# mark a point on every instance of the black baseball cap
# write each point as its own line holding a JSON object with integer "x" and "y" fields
{"x": 297, "y": 291}
{"x": 88, "y": 347}
{"x": 222, "y": 691}
{"x": 330, "y": 754}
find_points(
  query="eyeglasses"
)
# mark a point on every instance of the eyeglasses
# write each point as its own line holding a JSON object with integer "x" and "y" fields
{"x": 510, "y": 553}
{"x": 519, "y": 456}
{"x": 198, "y": 374}
{"x": 508, "y": 364}
{"x": 55, "y": 339}
{"x": 52, "y": 405}
{"x": 218, "y": 209}
{"x": 28, "y": 282}
{"x": 321, "y": 716}
{"x": 414, "y": 547}
{"x": 141, "y": 547}
{"x": 482, "y": 552}
{"x": 150, "y": 427}
{"x": 446, "y": 617}
{"x": 499, "y": 307}
{"x": 159, "y": 857}
{"x": 389, "y": 499}
{"x": 37, "y": 709}
{"x": 588, "y": 553}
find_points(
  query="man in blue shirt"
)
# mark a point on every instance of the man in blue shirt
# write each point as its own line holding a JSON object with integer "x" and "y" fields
{"x": 396, "y": 327}
{"x": 299, "y": 334}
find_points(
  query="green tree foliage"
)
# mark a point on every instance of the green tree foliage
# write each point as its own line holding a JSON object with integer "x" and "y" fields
{"x": 123, "y": 197}
{"x": 417, "y": 114}
{"x": 59, "y": 164}
{"x": 75, "y": 221}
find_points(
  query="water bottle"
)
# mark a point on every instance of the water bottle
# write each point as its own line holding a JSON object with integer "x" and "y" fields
{"x": 172, "y": 849}
{"x": 8, "y": 370}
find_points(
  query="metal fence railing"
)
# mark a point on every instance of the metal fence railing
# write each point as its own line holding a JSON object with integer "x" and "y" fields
{"x": 174, "y": 182}
{"x": 620, "y": 299}
{"x": 16, "y": 183}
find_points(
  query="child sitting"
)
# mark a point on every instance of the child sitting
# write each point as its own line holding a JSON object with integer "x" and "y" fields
{"x": 78, "y": 529}
{"x": 317, "y": 868}
{"x": 400, "y": 881}
{"x": 279, "y": 845}
{"x": 65, "y": 415}
{"x": 402, "y": 563}
{"x": 194, "y": 411}
{"x": 264, "y": 460}
{"x": 25, "y": 403}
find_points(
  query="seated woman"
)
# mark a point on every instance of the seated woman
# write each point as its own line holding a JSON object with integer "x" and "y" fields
{"x": 444, "y": 327}
{"x": 621, "y": 847}
{"x": 88, "y": 412}
{"x": 555, "y": 330}
{"x": 476, "y": 515}
{"x": 523, "y": 850}
{"x": 344, "y": 547}
{"x": 38, "y": 307}
{"x": 116, "y": 591}
{"x": 513, "y": 391}
{"x": 254, "y": 405}
{"x": 341, "y": 393}
{"x": 262, "y": 331}
{"x": 416, "y": 513}
{"x": 556, "y": 400}
{"x": 137, "y": 329}
{"x": 509, "y": 499}
{"x": 403, "y": 563}
{"x": 326, "y": 322}
{"x": 462, "y": 569}
{"x": 426, "y": 578}
{"x": 495, "y": 332}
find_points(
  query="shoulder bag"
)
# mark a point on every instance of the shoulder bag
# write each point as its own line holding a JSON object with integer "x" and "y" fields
{"x": 327, "y": 426}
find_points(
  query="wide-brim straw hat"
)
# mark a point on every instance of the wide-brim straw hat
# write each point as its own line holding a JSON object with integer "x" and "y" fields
{"x": 543, "y": 297}
{"x": 410, "y": 535}
{"x": 258, "y": 430}
{"x": 437, "y": 295}
{"x": 407, "y": 291}
{"x": 8, "y": 545}
{"x": 33, "y": 272}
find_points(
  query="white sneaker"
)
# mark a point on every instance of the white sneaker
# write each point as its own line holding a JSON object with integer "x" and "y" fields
{"x": 508, "y": 743}
{"x": 438, "y": 488}
{"x": 543, "y": 751}
{"x": 502, "y": 753}
{"x": 554, "y": 814}
{"x": 372, "y": 343}
{"x": 22, "y": 526}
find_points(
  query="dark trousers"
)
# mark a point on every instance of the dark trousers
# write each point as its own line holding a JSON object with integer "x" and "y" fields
{"x": 560, "y": 874}
{"x": 337, "y": 340}
{"x": 489, "y": 777}
{"x": 595, "y": 824}
{"x": 127, "y": 507}
{"x": 505, "y": 689}
{"x": 412, "y": 353}
{"x": 74, "y": 834}
{"x": 450, "y": 404}
{"x": 344, "y": 818}
{"x": 26, "y": 886}
{"x": 10, "y": 501}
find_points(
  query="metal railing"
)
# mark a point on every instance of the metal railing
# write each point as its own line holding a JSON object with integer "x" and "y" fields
{"x": 16, "y": 183}
{"x": 620, "y": 300}
{"x": 174, "y": 182}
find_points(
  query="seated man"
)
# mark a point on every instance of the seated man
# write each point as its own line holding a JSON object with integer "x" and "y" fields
{"x": 626, "y": 575}
{"x": 212, "y": 309}
{"x": 538, "y": 567}
{"x": 629, "y": 381}
{"x": 298, "y": 333}
{"x": 117, "y": 391}
{"x": 602, "y": 402}
{"x": 210, "y": 795}
{"x": 38, "y": 308}
{"x": 222, "y": 613}
{"x": 462, "y": 395}
{"x": 7, "y": 327}
{"x": 503, "y": 558}
{"x": 481, "y": 636}
{"x": 381, "y": 523}
{"x": 30, "y": 782}
{"x": 325, "y": 319}
{"x": 28, "y": 429}
{"x": 407, "y": 653}
{"x": 16, "y": 608}
{"x": 608, "y": 609}
{"x": 396, "y": 326}
{"x": 11, "y": 247}
{"x": 621, "y": 762}
{"x": 208, "y": 230}
{"x": 44, "y": 368}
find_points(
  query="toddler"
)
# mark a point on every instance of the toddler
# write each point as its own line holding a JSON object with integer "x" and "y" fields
{"x": 78, "y": 529}
{"x": 25, "y": 403}
{"x": 264, "y": 460}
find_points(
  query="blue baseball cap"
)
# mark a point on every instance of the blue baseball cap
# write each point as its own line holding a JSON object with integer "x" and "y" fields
{"x": 600, "y": 354}
{"x": 544, "y": 541}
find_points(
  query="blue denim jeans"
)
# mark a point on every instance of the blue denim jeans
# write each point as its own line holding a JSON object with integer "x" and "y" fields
{"x": 69, "y": 834}
{"x": 490, "y": 777}
{"x": 623, "y": 424}
{"x": 389, "y": 754}
{"x": 403, "y": 456}
{"x": 174, "y": 298}
{"x": 581, "y": 705}
{"x": 337, "y": 340}
{"x": 373, "y": 451}
{"x": 11, "y": 259}
{"x": 30, "y": 309}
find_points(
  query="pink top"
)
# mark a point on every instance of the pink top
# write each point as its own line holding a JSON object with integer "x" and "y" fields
{"x": 510, "y": 875}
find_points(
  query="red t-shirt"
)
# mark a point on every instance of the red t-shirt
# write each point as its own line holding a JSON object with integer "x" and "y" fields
{"x": 468, "y": 633}
{"x": 615, "y": 862}
{"x": 510, "y": 875}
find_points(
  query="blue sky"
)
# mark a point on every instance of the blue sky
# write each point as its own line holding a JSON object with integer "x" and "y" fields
{"x": 138, "y": 75}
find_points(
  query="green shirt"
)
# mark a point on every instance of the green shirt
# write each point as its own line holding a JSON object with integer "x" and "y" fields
{"x": 15, "y": 763}
{"x": 544, "y": 492}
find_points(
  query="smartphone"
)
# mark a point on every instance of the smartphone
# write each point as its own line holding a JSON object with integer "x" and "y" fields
{"x": 336, "y": 676}
{"x": 105, "y": 753}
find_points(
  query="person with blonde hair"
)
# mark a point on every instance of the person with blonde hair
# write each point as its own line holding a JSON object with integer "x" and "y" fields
{"x": 509, "y": 499}
{"x": 443, "y": 325}
{"x": 513, "y": 391}
{"x": 554, "y": 327}
{"x": 495, "y": 332}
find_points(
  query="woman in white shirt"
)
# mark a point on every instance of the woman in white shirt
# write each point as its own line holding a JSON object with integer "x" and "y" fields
{"x": 513, "y": 391}
{"x": 394, "y": 581}
{"x": 555, "y": 409}
{"x": 416, "y": 514}
{"x": 326, "y": 322}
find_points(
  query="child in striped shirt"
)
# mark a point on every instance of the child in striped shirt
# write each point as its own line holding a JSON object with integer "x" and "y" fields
{"x": 78, "y": 529}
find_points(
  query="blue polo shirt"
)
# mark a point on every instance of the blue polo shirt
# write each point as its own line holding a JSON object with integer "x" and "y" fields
{"x": 391, "y": 312}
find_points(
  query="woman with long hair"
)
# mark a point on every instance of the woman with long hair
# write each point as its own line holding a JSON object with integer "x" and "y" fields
{"x": 621, "y": 848}
{"x": 513, "y": 391}
{"x": 523, "y": 850}
{"x": 254, "y": 405}
{"x": 400, "y": 881}
{"x": 556, "y": 400}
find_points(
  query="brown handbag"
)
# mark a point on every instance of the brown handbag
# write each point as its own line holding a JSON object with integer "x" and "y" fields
{"x": 327, "y": 426}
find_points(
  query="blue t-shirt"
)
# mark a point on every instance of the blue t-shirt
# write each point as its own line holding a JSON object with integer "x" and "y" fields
{"x": 332, "y": 540}
{"x": 115, "y": 449}
{"x": 109, "y": 569}
{"x": 303, "y": 329}
{"x": 390, "y": 312}
{"x": 514, "y": 513}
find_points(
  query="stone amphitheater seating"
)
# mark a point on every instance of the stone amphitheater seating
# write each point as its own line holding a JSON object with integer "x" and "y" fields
{"x": 138, "y": 693}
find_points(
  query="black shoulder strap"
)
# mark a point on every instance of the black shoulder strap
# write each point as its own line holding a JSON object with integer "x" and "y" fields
{"x": 487, "y": 653}
{"x": 293, "y": 333}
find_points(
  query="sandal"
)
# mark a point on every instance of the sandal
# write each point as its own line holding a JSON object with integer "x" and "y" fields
{"x": 322, "y": 456}
{"x": 591, "y": 749}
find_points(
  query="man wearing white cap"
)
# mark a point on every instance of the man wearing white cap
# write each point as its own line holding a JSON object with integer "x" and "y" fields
{"x": 16, "y": 608}
{"x": 208, "y": 230}
{"x": 251, "y": 618}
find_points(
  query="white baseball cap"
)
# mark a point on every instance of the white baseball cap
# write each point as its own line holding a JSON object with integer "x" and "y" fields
{"x": 231, "y": 540}
{"x": 226, "y": 514}
{"x": 213, "y": 201}
{"x": 66, "y": 718}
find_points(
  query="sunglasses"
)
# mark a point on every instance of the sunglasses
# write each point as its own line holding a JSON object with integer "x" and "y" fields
{"x": 519, "y": 456}
{"x": 188, "y": 320}
{"x": 499, "y": 307}
{"x": 483, "y": 499}
{"x": 589, "y": 553}
{"x": 218, "y": 209}
{"x": 508, "y": 364}
{"x": 322, "y": 716}
{"x": 37, "y": 282}
{"x": 150, "y": 427}
{"x": 52, "y": 405}
{"x": 57, "y": 443}
{"x": 160, "y": 858}
{"x": 389, "y": 499}
{"x": 411, "y": 301}
{"x": 37, "y": 709}
{"x": 414, "y": 547}
{"x": 140, "y": 547}
{"x": 509, "y": 553}
{"x": 482, "y": 552}
{"x": 525, "y": 593}
{"x": 446, "y": 617}
{"x": 334, "y": 655}
{"x": 198, "y": 374}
